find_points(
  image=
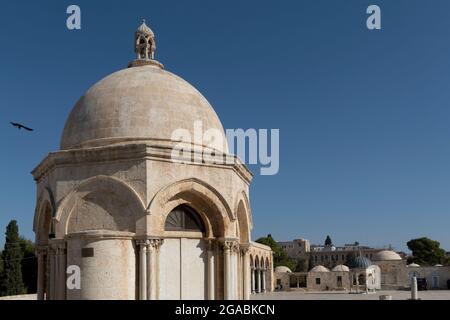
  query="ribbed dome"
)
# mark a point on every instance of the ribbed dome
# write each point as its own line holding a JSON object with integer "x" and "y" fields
{"x": 341, "y": 268}
{"x": 143, "y": 28}
{"x": 143, "y": 103}
{"x": 319, "y": 269}
{"x": 387, "y": 255}
{"x": 360, "y": 263}
{"x": 282, "y": 269}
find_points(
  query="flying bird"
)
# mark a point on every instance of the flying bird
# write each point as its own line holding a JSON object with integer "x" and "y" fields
{"x": 21, "y": 126}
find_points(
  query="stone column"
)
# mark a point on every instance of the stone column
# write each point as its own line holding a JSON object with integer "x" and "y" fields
{"x": 263, "y": 280}
{"x": 61, "y": 270}
{"x": 357, "y": 283}
{"x": 150, "y": 257}
{"x": 227, "y": 269}
{"x": 414, "y": 292}
{"x": 253, "y": 280}
{"x": 246, "y": 273}
{"x": 52, "y": 273}
{"x": 142, "y": 269}
{"x": 157, "y": 266}
{"x": 211, "y": 269}
{"x": 47, "y": 274}
{"x": 234, "y": 270}
{"x": 257, "y": 281}
{"x": 42, "y": 257}
{"x": 152, "y": 268}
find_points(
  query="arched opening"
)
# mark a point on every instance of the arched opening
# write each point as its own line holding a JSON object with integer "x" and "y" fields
{"x": 102, "y": 209}
{"x": 183, "y": 256}
{"x": 44, "y": 232}
{"x": 98, "y": 221}
{"x": 184, "y": 218}
{"x": 45, "y": 224}
{"x": 205, "y": 247}
{"x": 242, "y": 215}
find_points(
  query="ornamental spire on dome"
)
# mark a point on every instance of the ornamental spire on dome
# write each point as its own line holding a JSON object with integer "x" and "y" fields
{"x": 144, "y": 45}
{"x": 144, "y": 29}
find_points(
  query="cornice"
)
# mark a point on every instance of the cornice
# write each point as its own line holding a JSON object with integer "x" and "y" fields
{"x": 135, "y": 151}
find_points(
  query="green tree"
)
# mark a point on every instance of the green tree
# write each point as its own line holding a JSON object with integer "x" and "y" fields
{"x": 427, "y": 252}
{"x": 302, "y": 265}
{"x": 310, "y": 263}
{"x": 1, "y": 269}
{"x": 11, "y": 282}
{"x": 280, "y": 258}
{"x": 328, "y": 242}
{"x": 349, "y": 258}
{"x": 29, "y": 265}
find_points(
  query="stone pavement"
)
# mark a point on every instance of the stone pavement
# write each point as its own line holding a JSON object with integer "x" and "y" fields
{"x": 396, "y": 295}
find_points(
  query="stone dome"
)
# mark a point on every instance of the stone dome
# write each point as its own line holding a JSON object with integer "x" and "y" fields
{"x": 360, "y": 263}
{"x": 413, "y": 265}
{"x": 140, "y": 103}
{"x": 319, "y": 268}
{"x": 341, "y": 268}
{"x": 282, "y": 269}
{"x": 387, "y": 255}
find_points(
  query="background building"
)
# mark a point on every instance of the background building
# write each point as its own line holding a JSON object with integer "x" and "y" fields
{"x": 326, "y": 255}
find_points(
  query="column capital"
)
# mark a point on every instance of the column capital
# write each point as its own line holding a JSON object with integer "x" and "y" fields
{"x": 245, "y": 249}
{"x": 230, "y": 245}
{"x": 142, "y": 243}
{"x": 41, "y": 250}
{"x": 155, "y": 244}
{"x": 60, "y": 251}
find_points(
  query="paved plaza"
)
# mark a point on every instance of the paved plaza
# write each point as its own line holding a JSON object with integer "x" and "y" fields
{"x": 396, "y": 295}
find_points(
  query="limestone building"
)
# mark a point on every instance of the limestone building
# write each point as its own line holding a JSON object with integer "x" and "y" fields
{"x": 362, "y": 276}
{"x": 329, "y": 256}
{"x": 436, "y": 277}
{"x": 393, "y": 272}
{"x": 137, "y": 221}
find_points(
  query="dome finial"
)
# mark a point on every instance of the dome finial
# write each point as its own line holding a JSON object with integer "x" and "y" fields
{"x": 144, "y": 47}
{"x": 145, "y": 44}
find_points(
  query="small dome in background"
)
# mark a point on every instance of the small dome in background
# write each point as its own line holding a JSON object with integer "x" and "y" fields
{"x": 413, "y": 265}
{"x": 319, "y": 269}
{"x": 341, "y": 268}
{"x": 360, "y": 263}
{"x": 282, "y": 269}
{"x": 387, "y": 255}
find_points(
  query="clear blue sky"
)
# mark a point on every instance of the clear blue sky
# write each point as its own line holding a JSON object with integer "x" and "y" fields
{"x": 363, "y": 115}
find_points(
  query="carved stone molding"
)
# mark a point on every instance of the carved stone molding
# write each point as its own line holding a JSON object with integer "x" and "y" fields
{"x": 155, "y": 244}
{"x": 231, "y": 245}
{"x": 245, "y": 250}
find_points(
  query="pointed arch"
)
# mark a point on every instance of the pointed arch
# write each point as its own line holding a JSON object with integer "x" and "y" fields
{"x": 207, "y": 201}
{"x": 244, "y": 216}
{"x": 102, "y": 191}
{"x": 267, "y": 263}
{"x": 44, "y": 198}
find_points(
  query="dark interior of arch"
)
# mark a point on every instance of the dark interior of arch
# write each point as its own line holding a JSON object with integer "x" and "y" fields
{"x": 184, "y": 218}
